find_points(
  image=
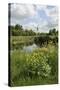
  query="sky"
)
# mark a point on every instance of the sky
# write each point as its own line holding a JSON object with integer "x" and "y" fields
{"x": 31, "y": 16}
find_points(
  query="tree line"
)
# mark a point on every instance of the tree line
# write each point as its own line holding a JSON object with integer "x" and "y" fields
{"x": 18, "y": 30}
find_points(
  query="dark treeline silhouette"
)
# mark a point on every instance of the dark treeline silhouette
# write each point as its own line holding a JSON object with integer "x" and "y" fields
{"x": 18, "y": 30}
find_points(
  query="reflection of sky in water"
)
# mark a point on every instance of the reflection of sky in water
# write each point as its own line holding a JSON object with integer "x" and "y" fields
{"x": 30, "y": 48}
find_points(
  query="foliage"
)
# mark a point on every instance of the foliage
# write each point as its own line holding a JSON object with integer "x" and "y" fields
{"x": 43, "y": 40}
{"x": 18, "y": 42}
{"x": 18, "y": 27}
{"x": 53, "y": 32}
{"x": 38, "y": 65}
{"x": 53, "y": 60}
{"x": 18, "y": 30}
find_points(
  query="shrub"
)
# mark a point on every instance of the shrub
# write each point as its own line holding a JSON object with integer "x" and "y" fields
{"x": 39, "y": 64}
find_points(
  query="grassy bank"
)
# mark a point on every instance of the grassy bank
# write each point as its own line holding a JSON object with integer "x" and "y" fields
{"x": 20, "y": 41}
{"x": 38, "y": 67}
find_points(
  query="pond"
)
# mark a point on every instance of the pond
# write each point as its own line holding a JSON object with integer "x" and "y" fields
{"x": 27, "y": 48}
{"x": 30, "y": 48}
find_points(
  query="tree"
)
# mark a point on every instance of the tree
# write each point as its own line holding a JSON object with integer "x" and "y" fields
{"x": 18, "y": 27}
{"x": 52, "y": 31}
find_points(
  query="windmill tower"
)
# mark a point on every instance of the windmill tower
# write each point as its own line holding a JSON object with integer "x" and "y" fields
{"x": 37, "y": 28}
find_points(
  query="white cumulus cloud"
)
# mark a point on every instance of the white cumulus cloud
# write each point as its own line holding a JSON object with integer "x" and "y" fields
{"x": 21, "y": 11}
{"x": 20, "y": 14}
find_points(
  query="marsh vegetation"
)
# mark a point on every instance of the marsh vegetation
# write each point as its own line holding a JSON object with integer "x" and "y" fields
{"x": 33, "y": 57}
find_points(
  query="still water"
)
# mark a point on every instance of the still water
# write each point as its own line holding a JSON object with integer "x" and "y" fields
{"x": 30, "y": 48}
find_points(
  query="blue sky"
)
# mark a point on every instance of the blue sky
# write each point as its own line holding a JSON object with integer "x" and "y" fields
{"x": 31, "y": 16}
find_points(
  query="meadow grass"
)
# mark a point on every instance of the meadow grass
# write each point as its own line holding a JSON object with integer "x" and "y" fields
{"x": 35, "y": 68}
{"x": 19, "y": 41}
{"x": 22, "y": 39}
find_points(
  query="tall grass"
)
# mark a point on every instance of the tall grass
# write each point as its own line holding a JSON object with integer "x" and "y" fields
{"x": 38, "y": 67}
{"x": 19, "y": 41}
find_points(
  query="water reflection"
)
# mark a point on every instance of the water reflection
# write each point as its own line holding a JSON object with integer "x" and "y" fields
{"x": 30, "y": 48}
{"x": 26, "y": 48}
